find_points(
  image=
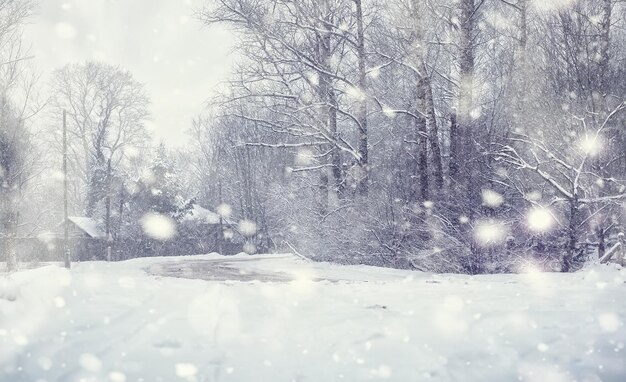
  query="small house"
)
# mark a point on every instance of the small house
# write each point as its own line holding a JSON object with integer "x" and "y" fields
{"x": 209, "y": 232}
{"x": 87, "y": 238}
{"x": 85, "y": 227}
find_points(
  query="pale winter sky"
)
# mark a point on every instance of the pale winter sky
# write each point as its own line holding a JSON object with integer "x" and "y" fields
{"x": 180, "y": 60}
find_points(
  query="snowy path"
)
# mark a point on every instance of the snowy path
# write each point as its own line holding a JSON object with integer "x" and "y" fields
{"x": 307, "y": 322}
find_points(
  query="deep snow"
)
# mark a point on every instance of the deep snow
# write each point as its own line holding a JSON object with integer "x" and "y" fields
{"x": 290, "y": 320}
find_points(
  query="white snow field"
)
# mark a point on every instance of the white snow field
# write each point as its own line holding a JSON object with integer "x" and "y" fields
{"x": 280, "y": 318}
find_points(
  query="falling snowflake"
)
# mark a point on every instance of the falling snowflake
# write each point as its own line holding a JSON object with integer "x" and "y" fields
{"x": 224, "y": 210}
{"x": 249, "y": 248}
{"x": 591, "y": 145}
{"x": 356, "y": 93}
{"x": 90, "y": 362}
{"x": 186, "y": 370}
{"x": 550, "y": 6}
{"x": 490, "y": 232}
{"x": 247, "y": 227}
{"x": 540, "y": 219}
{"x": 157, "y": 226}
{"x": 491, "y": 198}
{"x": 609, "y": 322}
{"x": 304, "y": 157}
{"x": 388, "y": 112}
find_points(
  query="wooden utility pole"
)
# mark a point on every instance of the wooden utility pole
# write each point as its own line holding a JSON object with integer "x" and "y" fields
{"x": 108, "y": 211}
{"x": 66, "y": 247}
{"x": 220, "y": 213}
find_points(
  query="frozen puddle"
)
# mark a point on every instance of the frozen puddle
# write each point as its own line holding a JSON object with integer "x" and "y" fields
{"x": 267, "y": 268}
{"x": 215, "y": 270}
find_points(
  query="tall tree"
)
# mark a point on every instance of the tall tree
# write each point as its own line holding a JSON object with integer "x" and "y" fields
{"x": 16, "y": 87}
{"x": 107, "y": 110}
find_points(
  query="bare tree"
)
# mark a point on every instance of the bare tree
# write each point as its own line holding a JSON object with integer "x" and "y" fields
{"x": 16, "y": 87}
{"x": 308, "y": 70}
{"x": 107, "y": 110}
{"x": 570, "y": 173}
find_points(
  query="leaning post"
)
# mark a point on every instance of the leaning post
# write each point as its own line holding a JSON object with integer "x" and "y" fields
{"x": 66, "y": 246}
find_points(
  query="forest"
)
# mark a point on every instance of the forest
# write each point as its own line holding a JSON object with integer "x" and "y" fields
{"x": 449, "y": 136}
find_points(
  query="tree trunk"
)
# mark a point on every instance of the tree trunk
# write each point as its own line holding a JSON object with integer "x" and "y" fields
{"x": 8, "y": 208}
{"x": 520, "y": 116}
{"x": 9, "y": 230}
{"x": 601, "y": 234}
{"x": 467, "y": 177}
{"x": 109, "y": 237}
{"x": 435, "y": 148}
{"x": 570, "y": 251}
{"x": 523, "y": 39}
{"x": 327, "y": 95}
{"x": 422, "y": 158}
{"x": 424, "y": 95}
{"x": 430, "y": 132}
{"x": 363, "y": 176}
{"x": 603, "y": 48}
{"x": 335, "y": 154}
{"x": 599, "y": 99}
{"x": 466, "y": 99}
{"x": 453, "y": 165}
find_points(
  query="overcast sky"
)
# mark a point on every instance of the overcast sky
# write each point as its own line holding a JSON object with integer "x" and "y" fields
{"x": 159, "y": 41}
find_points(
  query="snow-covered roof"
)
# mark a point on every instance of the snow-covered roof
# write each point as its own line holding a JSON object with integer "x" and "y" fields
{"x": 202, "y": 215}
{"x": 88, "y": 225}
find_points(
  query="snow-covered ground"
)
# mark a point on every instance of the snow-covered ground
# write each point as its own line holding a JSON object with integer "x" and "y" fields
{"x": 280, "y": 318}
